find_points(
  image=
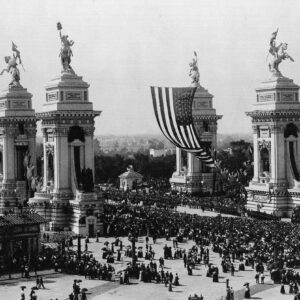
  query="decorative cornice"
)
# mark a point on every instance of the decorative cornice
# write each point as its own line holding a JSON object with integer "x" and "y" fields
{"x": 68, "y": 114}
{"x": 207, "y": 117}
{"x": 272, "y": 115}
{"x": 13, "y": 121}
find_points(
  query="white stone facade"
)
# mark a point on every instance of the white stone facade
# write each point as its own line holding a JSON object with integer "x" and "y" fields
{"x": 195, "y": 176}
{"x": 68, "y": 133}
{"x": 275, "y": 187}
{"x": 17, "y": 139}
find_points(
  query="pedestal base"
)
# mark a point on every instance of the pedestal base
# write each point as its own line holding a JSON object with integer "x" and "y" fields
{"x": 263, "y": 197}
{"x": 192, "y": 184}
{"x": 80, "y": 215}
{"x": 87, "y": 208}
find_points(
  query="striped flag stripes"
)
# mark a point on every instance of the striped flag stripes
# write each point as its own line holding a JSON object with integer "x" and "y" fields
{"x": 173, "y": 112}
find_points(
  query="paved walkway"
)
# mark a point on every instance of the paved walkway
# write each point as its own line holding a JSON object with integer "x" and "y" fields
{"x": 239, "y": 295}
{"x": 60, "y": 286}
{"x": 198, "y": 211}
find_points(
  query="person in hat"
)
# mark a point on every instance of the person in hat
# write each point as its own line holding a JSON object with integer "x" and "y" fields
{"x": 37, "y": 282}
{"x": 231, "y": 293}
{"x": 176, "y": 280}
{"x": 247, "y": 291}
{"x": 291, "y": 287}
{"x": 256, "y": 277}
{"x": 297, "y": 296}
{"x": 23, "y": 292}
{"x": 83, "y": 295}
{"x": 170, "y": 286}
{"x": 282, "y": 289}
{"x": 32, "y": 294}
{"x": 41, "y": 283}
{"x": 296, "y": 288}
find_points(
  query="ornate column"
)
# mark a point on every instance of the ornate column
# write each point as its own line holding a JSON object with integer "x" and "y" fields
{"x": 256, "y": 160}
{"x": 8, "y": 154}
{"x": 31, "y": 135}
{"x": 178, "y": 160}
{"x": 89, "y": 154}
{"x": 45, "y": 162}
{"x": 48, "y": 150}
{"x": 277, "y": 154}
{"x": 61, "y": 159}
{"x": 190, "y": 164}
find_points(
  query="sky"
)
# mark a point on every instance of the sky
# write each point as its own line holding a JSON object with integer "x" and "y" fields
{"x": 123, "y": 47}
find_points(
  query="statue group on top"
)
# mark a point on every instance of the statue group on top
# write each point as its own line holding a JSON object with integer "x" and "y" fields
{"x": 65, "y": 51}
{"x": 14, "y": 60}
{"x": 194, "y": 71}
{"x": 278, "y": 55}
{"x": 12, "y": 67}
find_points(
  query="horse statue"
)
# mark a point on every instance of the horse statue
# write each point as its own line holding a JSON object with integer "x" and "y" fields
{"x": 12, "y": 67}
{"x": 278, "y": 55}
{"x": 65, "y": 51}
{"x": 194, "y": 71}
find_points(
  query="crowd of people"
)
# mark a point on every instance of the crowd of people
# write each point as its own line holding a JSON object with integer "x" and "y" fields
{"x": 273, "y": 243}
{"x": 265, "y": 245}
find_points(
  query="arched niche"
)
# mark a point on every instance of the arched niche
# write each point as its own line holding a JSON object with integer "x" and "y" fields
{"x": 205, "y": 126}
{"x": 76, "y": 133}
{"x": 265, "y": 160}
{"x": 291, "y": 130}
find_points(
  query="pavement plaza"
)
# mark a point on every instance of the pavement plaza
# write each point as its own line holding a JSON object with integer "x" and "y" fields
{"x": 60, "y": 286}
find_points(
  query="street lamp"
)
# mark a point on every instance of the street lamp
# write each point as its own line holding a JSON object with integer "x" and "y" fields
{"x": 187, "y": 181}
{"x": 133, "y": 240}
{"x": 79, "y": 246}
{"x": 202, "y": 186}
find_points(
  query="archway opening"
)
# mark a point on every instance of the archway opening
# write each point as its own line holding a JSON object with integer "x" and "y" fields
{"x": 265, "y": 160}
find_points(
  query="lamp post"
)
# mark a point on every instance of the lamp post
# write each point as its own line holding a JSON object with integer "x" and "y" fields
{"x": 79, "y": 246}
{"x": 133, "y": 240}
{"x": 202, "y": 186}
{"x": 187, "y": 181}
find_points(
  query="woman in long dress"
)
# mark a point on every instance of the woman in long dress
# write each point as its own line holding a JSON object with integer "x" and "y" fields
{"x": 282, "y": 289}
{"x": 113, "y": 276}
{"x": 247, "y": 292}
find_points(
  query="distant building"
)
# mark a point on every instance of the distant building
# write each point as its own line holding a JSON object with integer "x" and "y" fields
{"x": 157, "y": 152}
{"x": 161, "y": 152}
{"x": 19, "y": 235}
{"x": 129, "y": 179}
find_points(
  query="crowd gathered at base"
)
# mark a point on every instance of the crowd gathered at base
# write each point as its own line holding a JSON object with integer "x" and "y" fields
{"x": 263, "y": 245}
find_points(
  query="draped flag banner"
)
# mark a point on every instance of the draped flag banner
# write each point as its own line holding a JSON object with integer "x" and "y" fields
{"x": 173, "y": 112}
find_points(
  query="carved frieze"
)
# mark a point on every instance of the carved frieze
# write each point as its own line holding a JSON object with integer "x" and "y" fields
{"x": 254, "y": 129}
{"x": 264, "y": 144}
{"x": 62, "y": 131}
{"x": 89, "y": 130}
{"x": 49, "y": 149}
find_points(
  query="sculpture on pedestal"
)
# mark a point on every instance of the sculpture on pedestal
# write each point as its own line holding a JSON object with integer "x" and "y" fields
{"x": 12, "y": 63}
{"x": 65, "y": 51}
{"x": 29, "y": 167}
{"x": 194, "y": 71}
{"x": 278, "y": 55}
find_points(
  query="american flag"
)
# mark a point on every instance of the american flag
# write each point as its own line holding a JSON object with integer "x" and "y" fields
{"x": 173, "y": 111}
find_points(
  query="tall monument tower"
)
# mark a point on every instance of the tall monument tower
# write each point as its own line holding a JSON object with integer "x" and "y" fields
{"x": 197, "y": 177}
{"x": 275, "y": 187}
{"x": 17, "y": 139}
{"x": 68, "y": 131}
